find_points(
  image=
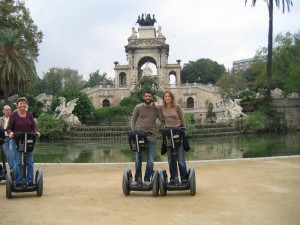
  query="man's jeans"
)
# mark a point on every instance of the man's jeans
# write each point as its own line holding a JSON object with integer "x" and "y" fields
{"x": 29, "y": 164}
{"x": 10, "y": 149}
{"x": 150, "y": 161}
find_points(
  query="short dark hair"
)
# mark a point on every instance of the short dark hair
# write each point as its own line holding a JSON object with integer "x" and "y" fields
{"x": 148, "y": 92}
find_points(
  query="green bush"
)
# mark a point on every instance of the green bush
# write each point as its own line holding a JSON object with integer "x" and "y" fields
{"x": 255, "y": 121}
{"x": 130, "y": 102}
{"x": 189, "y": 119}
{"x": 112, "y": 114}
{"x": 49, "y": 127}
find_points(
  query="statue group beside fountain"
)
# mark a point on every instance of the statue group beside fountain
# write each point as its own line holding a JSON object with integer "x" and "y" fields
{"x": 64, "y": 112}
{"x": 233, "y": 111}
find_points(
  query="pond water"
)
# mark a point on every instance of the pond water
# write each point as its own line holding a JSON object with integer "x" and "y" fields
{"x": 246, "y": 146}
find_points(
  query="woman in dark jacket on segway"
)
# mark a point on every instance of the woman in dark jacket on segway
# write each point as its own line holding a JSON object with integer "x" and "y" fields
{"x": 22, "y": 121}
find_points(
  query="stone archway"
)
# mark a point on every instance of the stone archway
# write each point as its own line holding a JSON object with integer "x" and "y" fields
{"x": 172, "y": 78}
{"x": 122, "y": 79}
{"x": 190, "y": 103}
{"x": 146, "y": 61}
{"x": 105, "y": 103}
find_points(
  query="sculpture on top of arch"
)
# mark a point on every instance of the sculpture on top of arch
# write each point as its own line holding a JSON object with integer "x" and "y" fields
{"x": 147, "y": 21}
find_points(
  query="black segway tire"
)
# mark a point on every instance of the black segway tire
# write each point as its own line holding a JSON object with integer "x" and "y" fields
{"x": 163, "y": 179}
{"x": 125, "y": 182}
{"x": 155, "y": 183}
{"x": 192, "y": 182}
{"x": 8, "y": 185}
{"x": 39, "y": 190}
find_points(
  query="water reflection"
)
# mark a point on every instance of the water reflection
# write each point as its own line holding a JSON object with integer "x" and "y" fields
{"x": 201, "y": 149}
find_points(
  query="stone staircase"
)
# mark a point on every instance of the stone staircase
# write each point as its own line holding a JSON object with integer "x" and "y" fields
{"x": 118, "y": 131}
{"x": 213, "y": 130}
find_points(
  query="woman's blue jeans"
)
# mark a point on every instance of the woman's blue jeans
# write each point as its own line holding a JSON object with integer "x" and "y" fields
{"x": 29, "y": 166}
{"x": 181, "y": 163}
{"x": 150, "y": 161}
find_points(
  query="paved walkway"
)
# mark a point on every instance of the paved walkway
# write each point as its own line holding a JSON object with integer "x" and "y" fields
{"x": 242, "y": 192}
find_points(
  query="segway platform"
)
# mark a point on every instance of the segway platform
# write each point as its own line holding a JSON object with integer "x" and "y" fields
{"x": 138, "y": 143}
{"x": 172, "y": 137}
{"x": 25, "y": 143}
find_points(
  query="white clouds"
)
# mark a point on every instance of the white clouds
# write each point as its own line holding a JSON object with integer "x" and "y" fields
{"x": 90, "y": 35}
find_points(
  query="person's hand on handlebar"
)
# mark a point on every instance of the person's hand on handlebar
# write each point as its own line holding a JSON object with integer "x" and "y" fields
{"x": 11, "y": 135}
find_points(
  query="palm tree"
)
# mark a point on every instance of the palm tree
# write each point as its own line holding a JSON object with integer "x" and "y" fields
{"x": 17, "y": 68}
{"x": 285, "y": 3}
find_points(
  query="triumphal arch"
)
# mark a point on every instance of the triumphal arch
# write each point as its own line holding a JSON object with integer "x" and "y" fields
{"x": 147, "y": 54}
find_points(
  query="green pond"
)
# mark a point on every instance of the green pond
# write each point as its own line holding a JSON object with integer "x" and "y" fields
{"x": 245, "y": 146}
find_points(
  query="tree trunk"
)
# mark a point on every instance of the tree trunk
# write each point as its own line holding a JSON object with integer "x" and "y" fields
{"x": 6, "y": 91}
{"x": 270, "y": 48}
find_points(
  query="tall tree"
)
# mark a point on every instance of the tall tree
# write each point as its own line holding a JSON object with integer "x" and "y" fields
{"x": 14, "y": 15}
{"x": 231, "y": 86}
{"x": 270, "y": 3}
{"x": 58, "y": 78}
{"x": 202, "y": 70}
{"x": 286, "y": 62}
{"x": 17, "y": 68}
{"x": 96, "y": 79}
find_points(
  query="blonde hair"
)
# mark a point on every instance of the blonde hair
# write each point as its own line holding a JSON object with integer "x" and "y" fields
{"x": 173, "y": 103}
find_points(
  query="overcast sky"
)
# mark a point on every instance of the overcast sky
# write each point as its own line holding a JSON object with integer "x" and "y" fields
{"x": 88, "y": 35}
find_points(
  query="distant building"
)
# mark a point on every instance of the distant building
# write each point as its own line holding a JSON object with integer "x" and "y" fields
{"x": 241, "y": 65}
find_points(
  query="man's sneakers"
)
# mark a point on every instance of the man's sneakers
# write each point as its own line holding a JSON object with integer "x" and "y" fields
{"x": 134, "y": 183}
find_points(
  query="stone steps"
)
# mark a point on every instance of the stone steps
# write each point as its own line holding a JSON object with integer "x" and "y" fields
{"x": 119, "y": 132}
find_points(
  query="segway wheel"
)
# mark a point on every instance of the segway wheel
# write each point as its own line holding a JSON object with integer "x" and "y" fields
{"x": 8, "y": 185}
{"x": 163, "y": 178}
{"x": 155, "y": 184}
{"x": 125, "y": 182}
{"x": 192, "y": 182}
{"x": 39, "y": 183}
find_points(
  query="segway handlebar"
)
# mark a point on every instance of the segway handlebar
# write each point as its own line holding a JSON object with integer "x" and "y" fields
{"x": 138, "y": 140}
{"x": 25, "y": 141}
{"x": 174, "y": 135}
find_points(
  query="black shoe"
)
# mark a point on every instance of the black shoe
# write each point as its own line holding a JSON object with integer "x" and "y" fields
{"x": 18, "y": 185}
{"x": 184, "y": 181}
{"x": 30, "y": 184}
{"x": 172, "y": 182}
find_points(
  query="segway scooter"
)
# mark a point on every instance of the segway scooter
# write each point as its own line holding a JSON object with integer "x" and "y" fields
{"x": 3, "y": 169}
{"x": 138, "y": 143}
{"x": 173, "y": 137}
{"x": 25, "y": 143}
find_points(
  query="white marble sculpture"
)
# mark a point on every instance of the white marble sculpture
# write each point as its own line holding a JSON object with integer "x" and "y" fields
{"x": 233, "y": 111}
{"x": 64, "y": 112}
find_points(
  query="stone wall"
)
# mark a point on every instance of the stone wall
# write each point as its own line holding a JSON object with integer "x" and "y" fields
{"x": 291, "y": 109}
